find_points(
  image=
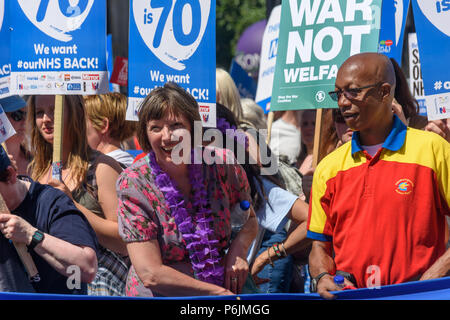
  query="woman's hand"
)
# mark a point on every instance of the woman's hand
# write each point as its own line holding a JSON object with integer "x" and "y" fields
{"x": 441, "y": 127}
{"x": 236, "y": 269}
{"x": 61, "y": 186}
{"x": 260, "y": 262}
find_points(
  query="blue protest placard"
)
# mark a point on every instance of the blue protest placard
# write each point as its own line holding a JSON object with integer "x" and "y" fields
{"x": 58, "y": 47}
{"x": 172, "y": 41}
{"x": 245, "y": 84}
{"x": 268, "y": 60}
{"x": 432, "y": 21}
{"x": 5, "y": 67}
{"x": 393, "y": 21}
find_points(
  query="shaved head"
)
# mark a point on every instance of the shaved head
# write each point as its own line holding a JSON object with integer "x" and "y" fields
{"x": 370, "y": 66}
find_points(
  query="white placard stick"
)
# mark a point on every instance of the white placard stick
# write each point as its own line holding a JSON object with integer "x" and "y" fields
{"x": 58, "y": 137}
{"x": 21, "y": 249}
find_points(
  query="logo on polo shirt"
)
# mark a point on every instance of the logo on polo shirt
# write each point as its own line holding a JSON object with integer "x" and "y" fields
{"x": 404, "y": 186}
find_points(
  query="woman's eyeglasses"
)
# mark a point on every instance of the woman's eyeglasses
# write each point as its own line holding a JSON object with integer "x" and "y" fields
{"x": 18, "y": 115}
{"x": 350, "y": 93}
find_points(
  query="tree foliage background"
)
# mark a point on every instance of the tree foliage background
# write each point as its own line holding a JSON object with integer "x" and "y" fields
{"x": 232, "y": 18}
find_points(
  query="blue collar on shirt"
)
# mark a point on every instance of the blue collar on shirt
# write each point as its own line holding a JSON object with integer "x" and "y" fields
{"x": 393, "y": 142}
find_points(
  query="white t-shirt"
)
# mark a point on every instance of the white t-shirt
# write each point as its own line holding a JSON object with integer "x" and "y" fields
{"x": 285, "y": 140}
{"x": 121, "y": 156}
{"x": 272, "y": 217}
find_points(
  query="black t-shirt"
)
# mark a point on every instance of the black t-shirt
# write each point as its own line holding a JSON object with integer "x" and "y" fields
{"x": 53, "y": 212}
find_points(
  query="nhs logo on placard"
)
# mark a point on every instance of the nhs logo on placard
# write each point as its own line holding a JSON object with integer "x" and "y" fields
{"x": 57, "y": 18}
{"x": 438, "y": 13}
{"x": 172, "y": 29}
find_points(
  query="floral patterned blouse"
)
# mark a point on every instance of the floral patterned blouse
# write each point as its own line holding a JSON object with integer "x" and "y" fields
{"x": 144, "y": 213}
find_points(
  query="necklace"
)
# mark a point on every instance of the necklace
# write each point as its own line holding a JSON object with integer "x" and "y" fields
{"x": 202, "y": 248}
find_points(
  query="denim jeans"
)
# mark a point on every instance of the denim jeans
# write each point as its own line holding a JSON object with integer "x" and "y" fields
{"x": 281, "y": 274}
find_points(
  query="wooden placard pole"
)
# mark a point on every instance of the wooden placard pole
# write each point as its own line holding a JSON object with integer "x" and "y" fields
{"x": 58, "y": 137}
{"x": 21, "y": 248}
{"x": 317, "y": 139}
{"x": 269, "y": 126}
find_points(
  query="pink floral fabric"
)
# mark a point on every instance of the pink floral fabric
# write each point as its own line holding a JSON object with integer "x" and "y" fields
{"x": 144, "y": 213}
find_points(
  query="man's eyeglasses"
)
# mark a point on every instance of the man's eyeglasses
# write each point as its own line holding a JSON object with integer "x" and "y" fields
{"x": 18, "y": 115}
{"x": 350, "y": 93}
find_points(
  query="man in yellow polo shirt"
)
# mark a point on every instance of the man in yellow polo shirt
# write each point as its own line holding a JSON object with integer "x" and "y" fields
{"x": 378, "y": 203}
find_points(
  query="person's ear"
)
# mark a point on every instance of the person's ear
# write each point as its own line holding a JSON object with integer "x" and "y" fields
{"x": 12, "y": 175}
{"x": 105, "y": 126}
{"x": 385, "y": 90}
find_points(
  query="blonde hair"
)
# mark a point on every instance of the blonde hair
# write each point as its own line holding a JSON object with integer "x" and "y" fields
{"x": 112, "y": 106}
{"x": 228, "y": 93}
{"x": 42, "y": 151}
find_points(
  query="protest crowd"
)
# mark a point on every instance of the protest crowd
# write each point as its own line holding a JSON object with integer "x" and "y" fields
{"x": 143, "y": 209}
{"x": 136, "y": 223}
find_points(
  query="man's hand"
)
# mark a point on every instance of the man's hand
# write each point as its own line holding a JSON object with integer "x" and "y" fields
{"x": 326, "y": 284}
{"x": 16, "y": 229}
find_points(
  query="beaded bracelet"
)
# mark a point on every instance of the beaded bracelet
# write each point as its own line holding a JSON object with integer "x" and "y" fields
{"x": 270, "y": 260}
{"x": 276, "y": 249}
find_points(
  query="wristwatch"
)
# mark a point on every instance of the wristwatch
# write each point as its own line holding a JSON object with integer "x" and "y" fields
{"x": 315, "y": 281}
{"x": 37, "y": 237}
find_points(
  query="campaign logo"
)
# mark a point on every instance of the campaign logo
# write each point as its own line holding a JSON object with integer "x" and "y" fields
{"x": 438, "y": 13}
{"x": 57, "y": 18}
{"x": 404, "y": 186}
{"x": 94, "y": 85}
{"x": 74, "y": 86}
{"x": 441, "y": 105}
{"x": 385, "y": 46}
{"x": 398, "y": 4}
{"x": 172, "y": 30}
{"x": 91, "y": 76}
{"x": 205, "y": 117}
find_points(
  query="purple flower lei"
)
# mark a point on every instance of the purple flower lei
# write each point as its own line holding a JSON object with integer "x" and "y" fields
{"x": 203, "y": 251}
{"x": 224, "y": 126}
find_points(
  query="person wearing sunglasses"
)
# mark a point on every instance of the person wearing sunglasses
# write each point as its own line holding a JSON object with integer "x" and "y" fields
{"x": 15, "y": 109}
{"x": 378, "y": 202}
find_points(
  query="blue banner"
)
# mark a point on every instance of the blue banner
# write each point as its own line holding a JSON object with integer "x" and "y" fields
{"x": 393, "y": 21}
{"x": 5, "y": 67}
{"x": 432, "y": 22}
{"x": 434, "y": 289}
{"x": 58, "y": 47}
{"x": 172, "y": 41}
{"x": 245, "y": 84}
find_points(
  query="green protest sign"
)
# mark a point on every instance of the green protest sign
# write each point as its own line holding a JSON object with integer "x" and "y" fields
{"x": 316, "y": 37}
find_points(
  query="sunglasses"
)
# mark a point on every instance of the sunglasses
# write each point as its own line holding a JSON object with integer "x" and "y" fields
{"x": 18, "y": 115}
{"x": 350, "y": 93}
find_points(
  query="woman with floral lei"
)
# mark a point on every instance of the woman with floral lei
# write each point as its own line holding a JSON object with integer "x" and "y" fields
{"x": 175, "y": 215}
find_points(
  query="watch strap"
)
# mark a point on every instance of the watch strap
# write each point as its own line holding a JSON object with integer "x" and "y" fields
{"x": 37, "y": 237}
{"x": 315, "y": 281}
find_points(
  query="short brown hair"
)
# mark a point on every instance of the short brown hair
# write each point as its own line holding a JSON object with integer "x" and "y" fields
{"x": 170, "y": 98}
